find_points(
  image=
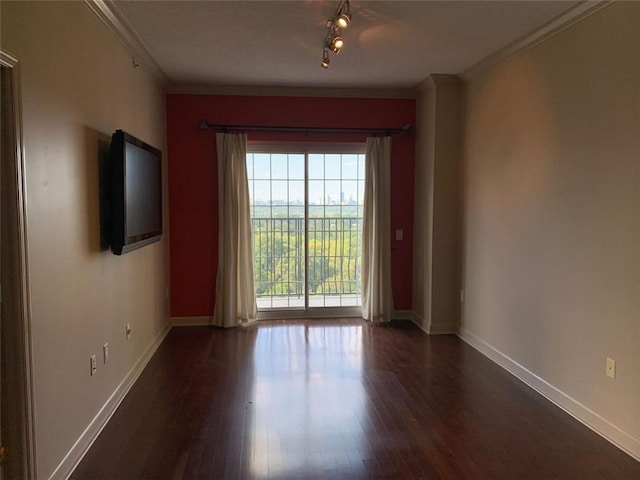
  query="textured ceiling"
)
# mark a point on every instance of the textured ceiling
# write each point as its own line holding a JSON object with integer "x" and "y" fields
{"x": 389, "y": 44}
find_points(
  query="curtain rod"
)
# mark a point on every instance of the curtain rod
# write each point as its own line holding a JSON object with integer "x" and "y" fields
{"x": 205, "y": 125}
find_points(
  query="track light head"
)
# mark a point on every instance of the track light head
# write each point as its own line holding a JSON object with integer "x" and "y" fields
{"x": 336, "y": 44}
{"x": 325, "y": 59}
{"x": 343, "y": 17}
{"x": 343, "y": 21}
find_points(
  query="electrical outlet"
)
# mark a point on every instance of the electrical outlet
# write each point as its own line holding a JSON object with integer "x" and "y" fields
{"x": 128, "y": 330}
{"x": 611, "y": 367}
{"x": 105, "y": 352}
{"x": 399, "y": 234}
{"x": 94, "y": 364}
{"x": 461, "y": 296}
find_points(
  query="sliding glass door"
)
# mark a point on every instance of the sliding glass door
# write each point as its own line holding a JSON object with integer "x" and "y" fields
{"x": 277, "y": 194}
{"x": 306, "y": 211}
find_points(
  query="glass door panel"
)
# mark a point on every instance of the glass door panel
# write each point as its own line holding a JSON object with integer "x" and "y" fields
{"x": 300, "y": 196}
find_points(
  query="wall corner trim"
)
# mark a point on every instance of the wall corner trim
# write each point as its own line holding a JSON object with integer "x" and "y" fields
{"x": 425, "y": 85}
{"x": 418, "y": 321}
{"x": 90, "y": 434}
{"x": 442, "y": 329}
{"x": 554, "y": 26}
{"x": 109, "y": 14}
{"x": 440, "y": 79}
{"x": 583, "y": 414}
{"x": 430, "y": 329}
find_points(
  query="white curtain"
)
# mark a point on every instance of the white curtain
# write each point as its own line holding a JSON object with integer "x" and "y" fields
{"x": 235, "y": 289}
{"x": 377, "y": 298}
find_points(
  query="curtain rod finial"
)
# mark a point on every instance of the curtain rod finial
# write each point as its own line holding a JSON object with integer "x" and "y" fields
{"x": 203, "y": 124}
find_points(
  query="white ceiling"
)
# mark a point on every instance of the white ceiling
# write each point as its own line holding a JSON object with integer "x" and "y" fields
{"x": 389, "y": 44}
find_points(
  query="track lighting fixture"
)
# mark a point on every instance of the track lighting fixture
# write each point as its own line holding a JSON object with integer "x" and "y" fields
{"x": 334, "y": 41}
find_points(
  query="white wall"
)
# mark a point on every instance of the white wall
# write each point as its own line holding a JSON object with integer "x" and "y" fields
{"x": 423, "y": 202}
{"x": 437, "y": 205}
{"x": 552, "y": 216}
{"x": 78, "y": 86}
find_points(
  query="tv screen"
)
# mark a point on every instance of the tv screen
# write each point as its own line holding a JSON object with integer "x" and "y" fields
{"x": 136, "y": 193}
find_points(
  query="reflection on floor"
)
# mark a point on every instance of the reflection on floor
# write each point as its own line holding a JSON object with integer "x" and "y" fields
{"x": 339, "y": 399}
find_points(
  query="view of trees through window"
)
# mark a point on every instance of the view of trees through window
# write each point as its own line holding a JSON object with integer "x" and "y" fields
{"x": 286, "y": 265}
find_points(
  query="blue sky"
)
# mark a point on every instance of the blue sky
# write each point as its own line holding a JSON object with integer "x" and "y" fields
{"x": 268, "y": 174}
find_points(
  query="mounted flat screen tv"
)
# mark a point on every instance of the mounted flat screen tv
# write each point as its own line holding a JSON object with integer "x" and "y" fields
{"x": 135, "y": 207}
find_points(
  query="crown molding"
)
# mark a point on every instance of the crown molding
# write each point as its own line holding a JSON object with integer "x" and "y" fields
{"x": 109, "y": 14}
{"x": 288, "y": 91}
{"x": 7, "y": 60}
{"x": 569, "y": 17}
{"x": 437, "y": 80}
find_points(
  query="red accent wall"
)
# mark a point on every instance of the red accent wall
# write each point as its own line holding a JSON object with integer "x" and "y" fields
{"x": 193, "y": 178}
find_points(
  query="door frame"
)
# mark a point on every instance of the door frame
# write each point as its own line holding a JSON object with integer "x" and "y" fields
{"x": 23, "y": 309}
{"x": 306, "y": 148}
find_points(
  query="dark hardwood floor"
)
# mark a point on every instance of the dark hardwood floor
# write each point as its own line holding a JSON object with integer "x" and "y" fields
{"x": 339, "y": 399}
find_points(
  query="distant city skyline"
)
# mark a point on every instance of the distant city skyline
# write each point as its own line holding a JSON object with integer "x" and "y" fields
{"x": 278, "y": 179}
{"x": 329, "y": 201}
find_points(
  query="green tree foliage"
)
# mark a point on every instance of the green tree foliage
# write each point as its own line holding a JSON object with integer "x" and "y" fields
{"x": 335, "y": 255}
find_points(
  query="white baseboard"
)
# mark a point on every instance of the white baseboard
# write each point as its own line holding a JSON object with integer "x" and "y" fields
{"x": 586, "y": 416}
{"x": 84, "y": 442}
{"x": 418, "y": 321}
{"x": 200, "y": 321}
{"x": 431, "y": 329}
{"x": 190, "y": 321}
{"x": 402, "y": 315}
{"x": 443, "y": 329}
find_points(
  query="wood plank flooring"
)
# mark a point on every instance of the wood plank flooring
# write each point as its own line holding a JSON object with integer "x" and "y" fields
{"x": 339, "y": 399}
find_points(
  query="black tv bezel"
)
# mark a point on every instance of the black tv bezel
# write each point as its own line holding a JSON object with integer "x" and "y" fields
{"x": 120, "y": 242}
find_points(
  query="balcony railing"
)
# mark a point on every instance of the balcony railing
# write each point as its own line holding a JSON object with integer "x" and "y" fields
{"x": 334, "y": 261}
